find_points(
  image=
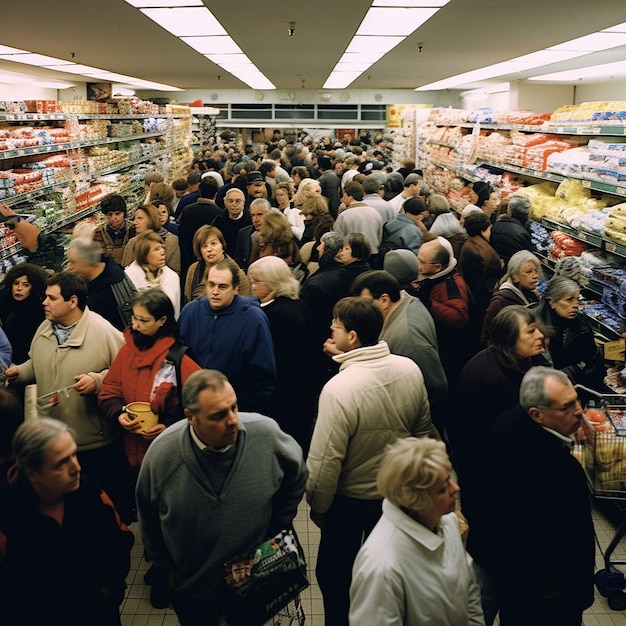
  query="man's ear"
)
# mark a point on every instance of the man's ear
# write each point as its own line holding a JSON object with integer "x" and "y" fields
{"x": 535, "y": 415}
{"x": 188, "y": 414}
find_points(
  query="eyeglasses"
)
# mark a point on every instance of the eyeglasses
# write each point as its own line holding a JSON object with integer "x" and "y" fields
{"x": 426, "y": 262}
{"x": 254, "y": 281}
{"x": 335, "y": 325}
{"x": 570, "y": 407}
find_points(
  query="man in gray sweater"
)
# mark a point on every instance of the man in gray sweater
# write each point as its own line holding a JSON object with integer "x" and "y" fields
{"x": 212, "y": 487}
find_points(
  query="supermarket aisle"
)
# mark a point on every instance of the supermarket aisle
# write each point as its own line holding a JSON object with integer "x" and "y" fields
{"x": 137, "y": 611}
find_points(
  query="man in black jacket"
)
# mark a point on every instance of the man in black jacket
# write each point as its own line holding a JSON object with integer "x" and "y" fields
{"x": 85, "y": 258}
{"x": 510, "y": 233}
{"x": 539, "y": 520}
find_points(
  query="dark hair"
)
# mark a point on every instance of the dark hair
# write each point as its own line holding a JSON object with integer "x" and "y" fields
{"x": 208, "y": 187}
{"x": 476, "y": 223}
{"x": 378, "y": 282}
{"x": 202, "y": 234}
{"x": 361, "y": 249}
{"x": 70, "y": 284}
{"x": 180, "y": 184}
{"x": 266, "y": 166}
{"x": 193, "y": 178}
{"x": 113, "y": 204}
{"x": 362, "y": 316}
{"x": 354, "y": 190}
{"x": 35, "y": 274}
{"x": 227, "y": 264}
{"x": 414, "y": 206}
{"x": 483, "y": 190}
{"x": 159, "y": 305}
{"x": 505, "y": 329}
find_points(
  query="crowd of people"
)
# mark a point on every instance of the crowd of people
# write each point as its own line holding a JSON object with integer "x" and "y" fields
{"x": 301, "y": 320}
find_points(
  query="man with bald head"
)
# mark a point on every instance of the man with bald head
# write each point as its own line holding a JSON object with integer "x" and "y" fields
{"x": 233, "y": 218}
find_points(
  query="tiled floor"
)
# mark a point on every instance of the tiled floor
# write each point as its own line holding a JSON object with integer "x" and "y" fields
{"x": 137, "y": 611}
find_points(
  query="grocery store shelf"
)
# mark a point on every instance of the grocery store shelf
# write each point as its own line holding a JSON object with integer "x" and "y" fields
{"x": 51, "y": 117}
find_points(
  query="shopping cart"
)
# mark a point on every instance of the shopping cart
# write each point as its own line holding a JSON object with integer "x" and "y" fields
{"x": 601, "y": 450}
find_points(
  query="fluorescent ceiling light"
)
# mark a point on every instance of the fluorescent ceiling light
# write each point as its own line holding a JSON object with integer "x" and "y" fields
{"x": 140, "y": 4}
{"x": 186, "y": 21}
{"x": 196, "y": 26}
{"x": 60, "y": 65}
{"x": 50, "y": 84}
{"x": 380, "y": 45}
{"x": 397, "y": 21}
{"x": 606, "y": 39}
{"x": 13, "y": 78}
{"x": 606, "y": 70}
{"x": 386, "y": 24}
{"x": 213, "y": 45}
{"x": 146, "y": 84}
{"x": 229, "y": 59}
{"x": 410, "y": 3}
{"x": 9, "y": 50}
{"x": 29, "y": 58}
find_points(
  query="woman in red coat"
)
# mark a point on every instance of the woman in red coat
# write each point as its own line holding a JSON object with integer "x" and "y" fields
{"x": 145, "y": 370}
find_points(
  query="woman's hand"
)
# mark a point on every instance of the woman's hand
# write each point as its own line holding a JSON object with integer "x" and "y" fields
{"x": 131, "y": 425}
{"x": 153, "y": 432}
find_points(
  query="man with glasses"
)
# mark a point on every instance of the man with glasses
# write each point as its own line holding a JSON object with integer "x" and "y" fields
{"x": 375, "y": 398}
{"x": 540, "y": 530}
{"x": 234, "y": 217}
{"x": 230, "y": 333}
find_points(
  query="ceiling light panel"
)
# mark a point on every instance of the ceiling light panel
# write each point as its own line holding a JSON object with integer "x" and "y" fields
{"x": 410, "y": 3}
{"x": 141, "y": 4}
{"x": 220, "y": 44}
{"x": 396, "y": 21}
{"x": 186, "y": 21}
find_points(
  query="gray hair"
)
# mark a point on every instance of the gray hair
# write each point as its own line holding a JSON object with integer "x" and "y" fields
{"x": 213, "y": 380}
{"x": 277, "y": 275}
{"x": 514, "y": 266}
{"x": 261, "y": 202}
{"x": 533, "y": 388}
{"x": 519, "y": 207}
{"x": 234, "y": 190}
{"x": 373, "y": 183}
{"x": 559, "y": 286}
{"x": 87, "y": 249}
{"x": 33, "y": 437}
{"x": 410, "y": 466}
{"x": 438, "y": 204}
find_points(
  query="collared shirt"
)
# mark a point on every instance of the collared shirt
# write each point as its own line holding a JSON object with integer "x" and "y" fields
{"x": 568, "y": 441}
{"x": 203, "y": 447}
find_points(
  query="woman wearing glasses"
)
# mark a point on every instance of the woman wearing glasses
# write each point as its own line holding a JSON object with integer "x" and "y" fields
{"x": 572, "y": 347}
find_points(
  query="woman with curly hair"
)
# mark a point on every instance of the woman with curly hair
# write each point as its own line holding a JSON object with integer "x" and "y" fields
{"x": 21, "y": 311}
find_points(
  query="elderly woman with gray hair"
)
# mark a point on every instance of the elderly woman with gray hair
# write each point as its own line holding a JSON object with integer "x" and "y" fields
{"x": 572, "y": 347}
{"x": 517, "y": 286}
{"x": 413, "y": 569}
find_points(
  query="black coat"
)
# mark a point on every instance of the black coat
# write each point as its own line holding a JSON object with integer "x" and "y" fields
{"x": 20, "y": 321}
{"x": 573, "y": 349}
{"x": 101, "y": 299}
{"x": 292, "y": 404}
{"x": 509, "y": 236}
{"x": 540, "y": 526}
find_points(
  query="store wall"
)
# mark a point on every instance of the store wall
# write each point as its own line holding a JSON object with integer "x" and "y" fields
{"x": 448, "y": 98}
{"x": 540, "y": 98}
{"x": 608, "y": 90}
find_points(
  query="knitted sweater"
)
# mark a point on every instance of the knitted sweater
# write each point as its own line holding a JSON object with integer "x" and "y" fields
{"x": 192, "y": 530}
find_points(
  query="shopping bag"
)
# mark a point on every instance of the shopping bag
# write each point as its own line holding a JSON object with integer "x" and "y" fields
{"x": 263, "y": 581}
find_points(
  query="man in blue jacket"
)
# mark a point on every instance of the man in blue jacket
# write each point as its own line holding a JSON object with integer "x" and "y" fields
{"x": 230, "y": 333}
